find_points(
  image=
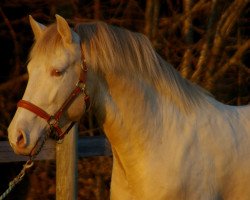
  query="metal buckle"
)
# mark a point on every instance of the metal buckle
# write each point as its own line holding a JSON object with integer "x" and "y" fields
{"x": 59, "y": 141}
{"x": 53, "y": 135}
{"x": 81, "y": 85}
{"x": 84, "y": 67}
{"x": 52, "y": 121}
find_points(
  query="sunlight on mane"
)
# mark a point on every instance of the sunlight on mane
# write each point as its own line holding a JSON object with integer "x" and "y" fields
{"x": 111, "y": 49}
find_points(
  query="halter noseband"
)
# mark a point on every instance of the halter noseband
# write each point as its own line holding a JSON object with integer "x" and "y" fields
{"x": 53, "y": 120}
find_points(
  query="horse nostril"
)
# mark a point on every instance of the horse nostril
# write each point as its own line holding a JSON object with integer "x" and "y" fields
{"x": 21, "y": 139}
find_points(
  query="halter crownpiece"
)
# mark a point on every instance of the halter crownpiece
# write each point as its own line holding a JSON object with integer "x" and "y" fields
{"x": 53, "y": 120}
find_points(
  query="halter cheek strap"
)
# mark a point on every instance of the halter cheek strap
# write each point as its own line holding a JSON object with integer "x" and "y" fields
{"x": 53, "y": 120}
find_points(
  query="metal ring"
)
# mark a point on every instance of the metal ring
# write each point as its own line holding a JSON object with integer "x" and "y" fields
{"x": 84, "y": 67}
{"x": 81, "y": 85}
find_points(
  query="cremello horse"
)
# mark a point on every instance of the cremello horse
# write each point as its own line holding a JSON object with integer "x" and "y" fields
{"x": 170, "y": 139}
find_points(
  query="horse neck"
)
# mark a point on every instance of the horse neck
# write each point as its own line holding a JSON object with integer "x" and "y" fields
{"x": 131, "y": 112}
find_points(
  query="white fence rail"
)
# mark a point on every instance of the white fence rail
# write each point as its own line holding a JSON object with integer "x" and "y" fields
{"x": 66, "y": 155}
{"x": 87, "y": 146}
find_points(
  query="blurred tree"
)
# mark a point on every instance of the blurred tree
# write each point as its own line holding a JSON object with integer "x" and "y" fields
{"x": 206, "y": 40}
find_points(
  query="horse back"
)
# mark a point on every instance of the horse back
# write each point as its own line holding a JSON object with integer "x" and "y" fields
{"x": 244, "y": 118}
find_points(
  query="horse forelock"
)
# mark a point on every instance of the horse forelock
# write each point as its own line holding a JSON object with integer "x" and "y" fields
{"x": 48, "y": 43}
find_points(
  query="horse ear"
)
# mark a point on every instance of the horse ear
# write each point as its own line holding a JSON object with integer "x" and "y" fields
{"x": 37, "y": 28}
{"x": 64, "y": 30}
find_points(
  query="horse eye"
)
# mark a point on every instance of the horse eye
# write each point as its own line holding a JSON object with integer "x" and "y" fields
{"x": 56, "y": 73}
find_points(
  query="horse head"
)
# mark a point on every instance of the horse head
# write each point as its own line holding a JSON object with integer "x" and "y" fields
{"x": 55, "y": 66}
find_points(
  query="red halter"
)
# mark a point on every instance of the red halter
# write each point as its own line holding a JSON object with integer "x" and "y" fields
{"x": 53, "y": 120}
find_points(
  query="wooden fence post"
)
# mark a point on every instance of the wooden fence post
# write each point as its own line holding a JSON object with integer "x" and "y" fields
{"x": 66, "y": 167}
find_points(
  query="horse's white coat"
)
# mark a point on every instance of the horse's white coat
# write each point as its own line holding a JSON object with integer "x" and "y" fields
{"x": 170, "y": 139}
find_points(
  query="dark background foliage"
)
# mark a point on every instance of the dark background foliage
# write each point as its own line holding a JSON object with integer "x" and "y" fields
{"x": 206, "y": 41}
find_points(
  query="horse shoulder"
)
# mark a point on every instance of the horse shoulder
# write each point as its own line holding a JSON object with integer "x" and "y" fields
{"x": 119, "y": 183}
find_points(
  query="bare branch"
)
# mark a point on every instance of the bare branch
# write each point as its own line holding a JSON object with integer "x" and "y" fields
{"x": 236, "y": 58}
{"x": 16, "y": 46}
{"x": 97, "y": 9}
{"x": 174, "y": 21}
{"x": 151, "y": 19}
{"x": 11, "y": 83}
{"x": 210, "y": 32}
{"x": 224, "y": 27}
{"x": 185, "y": 68}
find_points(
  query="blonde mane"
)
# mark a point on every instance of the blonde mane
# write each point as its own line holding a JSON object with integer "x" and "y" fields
{"x": 111, "y": 49}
